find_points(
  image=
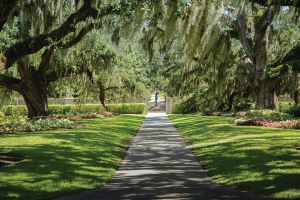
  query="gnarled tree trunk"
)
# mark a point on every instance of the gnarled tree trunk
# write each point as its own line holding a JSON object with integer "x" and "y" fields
{"x": 231, "y": 100}
{"x": 36, "y": 102}
{"x": 264, "y": 89}
{"x": 296, "y": 96}
{"x": 34, "y": 92}
{"x": 265, "y": 95}
{"x": 256, "y": 50}
{"x": 102, "y": 94}
{"x": 33, "y": 88}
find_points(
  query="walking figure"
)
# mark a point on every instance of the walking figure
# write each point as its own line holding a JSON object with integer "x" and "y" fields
{"x": 156, "y": 98}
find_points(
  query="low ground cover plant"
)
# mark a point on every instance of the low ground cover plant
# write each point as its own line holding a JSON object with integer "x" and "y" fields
{"x": 15, "y": 124}
{"x": 268, "y": 118}
{"x": 13, "y": 118}
{"x": 272, "y": 115}
{"x": 291, "y": 124}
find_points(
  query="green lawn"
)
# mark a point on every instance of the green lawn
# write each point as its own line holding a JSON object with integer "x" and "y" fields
{"x": 262, "y": 160}
{"x": 66, "y": 161}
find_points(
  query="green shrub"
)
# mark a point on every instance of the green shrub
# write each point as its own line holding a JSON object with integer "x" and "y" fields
{"x": 126, "y": 108}
{"x": 13, "y": 124}
{"x": 268, "y": 115}
{"x": 283, "y": 106}
{"x": 293, "y": 110}
{"x": 62, "y": 109}
{"x": 14, "y": 110}
{"x": 186, "y": 106}
{"x": 1, "y": 114}
{"x": 242, "y": 106}
{"x": 80, "y": 109}
{"x": 88, "y": 108}
{"x": 47, "y": 124}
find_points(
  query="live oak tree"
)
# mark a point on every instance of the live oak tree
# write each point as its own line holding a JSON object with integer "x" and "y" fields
{"x": 252, "y": 23}
{"x": 196, "y": 29}
{"x": 252, "y": 26}
{"x": 43, "y": 26}
{"x": 114, "y": 73}
{"x": 121, "y": 77}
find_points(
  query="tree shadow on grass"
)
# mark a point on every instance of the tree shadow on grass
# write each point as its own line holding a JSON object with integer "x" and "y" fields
{"x": 71, "y": 160}
{"x": 257, "y": 159}
{"x": 158, "y": 166}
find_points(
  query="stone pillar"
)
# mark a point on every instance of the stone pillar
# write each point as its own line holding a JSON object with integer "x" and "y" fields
{"x": 168, "y": 105}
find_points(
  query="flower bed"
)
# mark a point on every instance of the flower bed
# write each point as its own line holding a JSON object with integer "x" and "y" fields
{"x": 267, "y": 118}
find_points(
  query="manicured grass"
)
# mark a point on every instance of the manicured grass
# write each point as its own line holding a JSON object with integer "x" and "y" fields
{"x": 66, "y": 161}
{"x": 262, "y": 160}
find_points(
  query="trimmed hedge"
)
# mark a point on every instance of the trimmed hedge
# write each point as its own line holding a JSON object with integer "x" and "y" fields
{"x": 78, "y": 109}
{"x": 127, "y": 108}
{"x": 14, "y": 110}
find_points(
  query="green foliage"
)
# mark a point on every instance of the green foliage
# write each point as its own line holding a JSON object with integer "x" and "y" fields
{"x": 185, "y": 106}
{"x": 14, "y": 110}
{"x": 242, "y": 106}
{"x": 15, "y": 124}
{"x": 121, "y": 70}
{"x": 284, "y": 106}
{"x": 75, "y": 109}
{"x": 127, "y": 108}
{"x": 80, "y": 109}
{"x": 268, "y": 115}
{"x": 293, "y": 110}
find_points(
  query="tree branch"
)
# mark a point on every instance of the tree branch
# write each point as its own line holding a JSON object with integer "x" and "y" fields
{"x": 77, "y": 38}
{"x": 292, "y": 57}
{"x": 34, "y": 44}
{"x": 10, "y": 82}
{"x": 294, "y": 3}
{"x": 46, "y": 58}
{"x": 55, "y": 75}
{"x": 6, "y": 9}
{"x": 241, "y": 26}
{"x": 264, "y": 22}
{"x": 111, "y": 88}
{"x": 23, "y": 69}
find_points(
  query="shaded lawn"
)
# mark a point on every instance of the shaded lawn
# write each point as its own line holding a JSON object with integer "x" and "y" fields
{"x": 66, "y": 161}
{"x": 257, "y": 159}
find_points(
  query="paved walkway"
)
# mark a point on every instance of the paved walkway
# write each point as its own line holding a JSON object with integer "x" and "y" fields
{"x": 159, "y": 166}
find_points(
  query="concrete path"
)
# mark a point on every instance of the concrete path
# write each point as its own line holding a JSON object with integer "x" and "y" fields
{"x": 158, "y": 165}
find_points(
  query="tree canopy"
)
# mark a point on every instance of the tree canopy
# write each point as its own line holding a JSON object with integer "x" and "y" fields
{"x": 215, "y": 52}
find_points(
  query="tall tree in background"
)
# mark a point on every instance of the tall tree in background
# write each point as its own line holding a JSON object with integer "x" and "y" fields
{"x": 252, "y": 25}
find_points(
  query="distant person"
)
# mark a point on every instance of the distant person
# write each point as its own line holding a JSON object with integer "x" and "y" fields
{"x": 156, "y": 98}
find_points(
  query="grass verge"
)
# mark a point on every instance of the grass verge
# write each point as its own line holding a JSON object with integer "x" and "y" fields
{"x": 66, "y": 161}
{"x": 257, "y": 159}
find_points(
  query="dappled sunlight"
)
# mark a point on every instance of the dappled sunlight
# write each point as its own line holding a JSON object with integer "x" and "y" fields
{"x": 257, "y": 159}
{"x": 159, "y": 166}
{"x": 64, "y": 161}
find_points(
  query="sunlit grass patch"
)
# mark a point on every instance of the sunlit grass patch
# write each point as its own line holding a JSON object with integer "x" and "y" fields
{"x": 262, "y": 160}
{"x": 66, "y": 161}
